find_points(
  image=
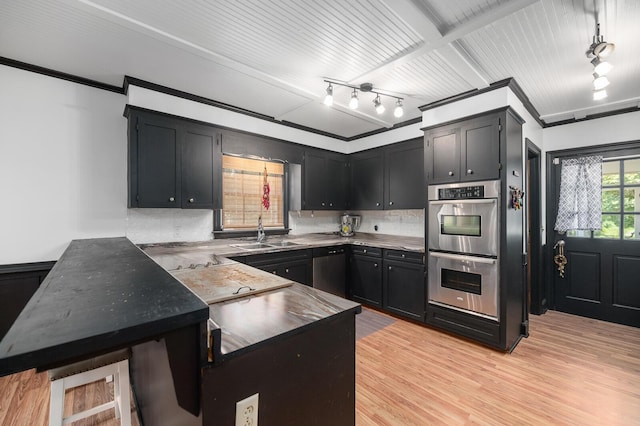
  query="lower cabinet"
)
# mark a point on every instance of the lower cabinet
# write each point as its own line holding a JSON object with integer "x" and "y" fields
{"x": 365, "y": 275}
{"x": 294, "y": 265}
{"x": 403, "y": 284}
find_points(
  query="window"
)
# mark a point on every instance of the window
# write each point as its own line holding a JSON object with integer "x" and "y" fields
{"x": 620, "y": 201}
{"x": 243, "y": 192}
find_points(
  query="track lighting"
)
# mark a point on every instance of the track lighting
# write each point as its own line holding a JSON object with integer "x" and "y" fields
{"x": 364, "y": 88}
{"x": 600, "y": 49}
{"x": 353, "y": 103}
{"x": 377, "y": 103}
{"x": 398, "y": 111}
{"x": 601, "y": 67}
{"x": 328, "y": 100}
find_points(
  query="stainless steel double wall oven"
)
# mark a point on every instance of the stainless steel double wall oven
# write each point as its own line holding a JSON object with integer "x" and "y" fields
{"x": 463, "y": 242}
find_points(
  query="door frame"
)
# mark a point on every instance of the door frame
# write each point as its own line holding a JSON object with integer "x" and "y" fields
{"x": 539, "y": 296}
{"x": 613, "y": 150}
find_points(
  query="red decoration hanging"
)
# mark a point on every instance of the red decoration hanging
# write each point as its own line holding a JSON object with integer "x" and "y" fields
{"x": 265, "y": 190}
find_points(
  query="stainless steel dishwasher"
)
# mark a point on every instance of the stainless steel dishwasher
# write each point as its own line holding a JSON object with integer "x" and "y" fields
{"x": 330, "y": 270}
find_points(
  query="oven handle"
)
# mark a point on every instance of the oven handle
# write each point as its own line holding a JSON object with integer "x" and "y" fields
{"x": 465, "y": 257}
{"x": 480, "y": 201}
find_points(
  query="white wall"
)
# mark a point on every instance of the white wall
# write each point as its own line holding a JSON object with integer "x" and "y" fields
{"x": 63, "y": 165}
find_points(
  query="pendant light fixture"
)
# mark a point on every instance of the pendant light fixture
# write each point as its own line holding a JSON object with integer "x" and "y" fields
{"x": 364, "y": 88}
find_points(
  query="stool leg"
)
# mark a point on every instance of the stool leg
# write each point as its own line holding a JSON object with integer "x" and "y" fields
{"x": 116, "y": 393}
{"x": 125, "y": 401}
{"x": 56, "y": 403}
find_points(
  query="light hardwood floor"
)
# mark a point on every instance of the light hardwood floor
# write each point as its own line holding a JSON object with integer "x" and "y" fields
{"x": 571, "y": 370}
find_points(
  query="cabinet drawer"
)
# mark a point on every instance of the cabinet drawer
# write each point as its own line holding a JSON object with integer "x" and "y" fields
{"x": 404, "y": 256}
{"x": 366, "y": 251}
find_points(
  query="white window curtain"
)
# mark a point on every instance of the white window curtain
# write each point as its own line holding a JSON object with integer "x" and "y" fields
{"x": 580, "y": 203}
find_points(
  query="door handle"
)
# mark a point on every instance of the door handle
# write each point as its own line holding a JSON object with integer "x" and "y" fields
{"x": 560, "y": 259}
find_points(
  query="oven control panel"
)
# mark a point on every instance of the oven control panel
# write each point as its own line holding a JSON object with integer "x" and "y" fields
{"x": 461, "y": 193}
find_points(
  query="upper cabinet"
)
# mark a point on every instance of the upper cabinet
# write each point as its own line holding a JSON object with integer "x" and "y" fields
{"x": 326, "y": 181}
{"x": 404, "y": 175}
{"x": 390, "y": 177}
{"x": 171, "y": 162}
{"x": 468, "y": 150}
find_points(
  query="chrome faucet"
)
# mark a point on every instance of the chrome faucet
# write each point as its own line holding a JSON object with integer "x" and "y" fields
{"x": 261, "y": 234}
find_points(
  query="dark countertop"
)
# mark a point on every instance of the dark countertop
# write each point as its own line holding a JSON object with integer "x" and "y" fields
{"x": 103, "y": 294}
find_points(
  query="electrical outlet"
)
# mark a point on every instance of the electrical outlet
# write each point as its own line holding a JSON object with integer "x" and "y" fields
{"x": 247, "y": 411}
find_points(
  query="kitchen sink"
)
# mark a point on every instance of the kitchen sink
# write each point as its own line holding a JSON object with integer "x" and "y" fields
{"x": 252, "y": 246}
{"x": 283, "y": 244}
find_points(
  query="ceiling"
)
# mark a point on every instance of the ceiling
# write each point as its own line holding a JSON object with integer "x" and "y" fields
{"x": 271, "y": 57}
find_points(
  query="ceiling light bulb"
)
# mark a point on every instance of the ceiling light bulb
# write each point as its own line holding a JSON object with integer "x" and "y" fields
{"x": 378, "y": 105}
{"x": 600, "y": 82}
{"x": 328, "y": 100}
{"x": 398, "y": 111}
{"x": 353, "y": 103}
{"x": 601, "y": 67}
{"x": 600, "y": 94}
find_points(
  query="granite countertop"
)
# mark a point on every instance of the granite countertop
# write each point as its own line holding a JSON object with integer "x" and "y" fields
{"x": 103, "y": 294}
{"x": 271, "y": 306}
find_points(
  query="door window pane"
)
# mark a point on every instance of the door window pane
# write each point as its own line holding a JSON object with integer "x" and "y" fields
{"x": 632, "y": 200}
{"x": 632, "y": 171}
{"x": 579, "y": 233}
{"x": 610, "y": 227}
{"x": 611, "y": 200}
{"x": 610, "y": 173}
{"x": 631, "y": 227}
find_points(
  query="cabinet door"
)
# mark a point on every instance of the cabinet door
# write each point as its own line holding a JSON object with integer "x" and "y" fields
{"x": 366, "y": 280}
{"x": 336, "y": 179}
{"x": 480, "y": 149}
{"x": 197, "y": 168}
{"x": 404, "y": 289}
{"x": 367, "y": 181}
{"x": 443, "y": 155}
{"x": 315, "y": 182}
{"x": 298, "y": 271}
{"x": 404, "y": 176}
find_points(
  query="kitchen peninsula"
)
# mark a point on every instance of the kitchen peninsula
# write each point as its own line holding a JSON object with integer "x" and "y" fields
{"x": 294, "y": 346}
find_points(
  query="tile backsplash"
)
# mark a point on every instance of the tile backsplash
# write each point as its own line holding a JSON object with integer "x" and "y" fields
{"x": 169, "y": 225}
{"x": 408, "y": 223}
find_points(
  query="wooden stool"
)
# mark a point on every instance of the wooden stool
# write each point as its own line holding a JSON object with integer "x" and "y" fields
{"x": 114, "y": 364}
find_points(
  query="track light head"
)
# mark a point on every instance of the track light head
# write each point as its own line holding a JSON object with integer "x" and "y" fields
{"x": 353, "y": 102}
{"x": 600, "y": 48}
{"x": 601, "y": 67}
{"x": 398, "y": 111}
{"x": 378, "y": 105}
{"x": 599, "y": 94}
{"x": 600, "y": 82}
{"x": 328, "y": 99}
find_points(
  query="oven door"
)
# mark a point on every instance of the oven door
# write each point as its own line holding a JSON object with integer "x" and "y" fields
{"x": 469, "y": 283}
{"x": 466, "y": 226}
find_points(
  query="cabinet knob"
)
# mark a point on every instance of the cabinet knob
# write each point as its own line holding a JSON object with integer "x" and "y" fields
{"x": 273, "y": 272}
{"x": 322, "y": 204}
{"x": 403, "y": 256}
{"x": 469, "y": 172}
{"x": 286, "y": 270}
{"x": 377, "y": 204}
{"x": 172, "y": 199}
{"x": 330, "y": 204}
{"x": 375, "y": 265}
{"x": 450, "y": 173}
{"x": 364, "y": 251}
{"x": 390, "y": 203}
{"x": 191, "y": 200}
{"x": 389, "y": 267}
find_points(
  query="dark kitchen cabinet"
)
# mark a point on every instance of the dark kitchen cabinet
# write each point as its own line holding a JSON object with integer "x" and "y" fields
{"x": 365, "y": 275}
{"x": 171, "y": 162}
{"x": 326, "y": 181}
{"x": 295, "y": 265}
{"x": 404, "y": 284}
{"x": 198, "y": 156}
{"x": 367, "y": 180}
{"x": 155, "y": 177}
{"x": 404, "y": 175}
{"x": 468, "y": 150}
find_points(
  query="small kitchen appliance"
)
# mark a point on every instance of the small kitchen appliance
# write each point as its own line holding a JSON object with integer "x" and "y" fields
{"x": 349, "y": 224}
